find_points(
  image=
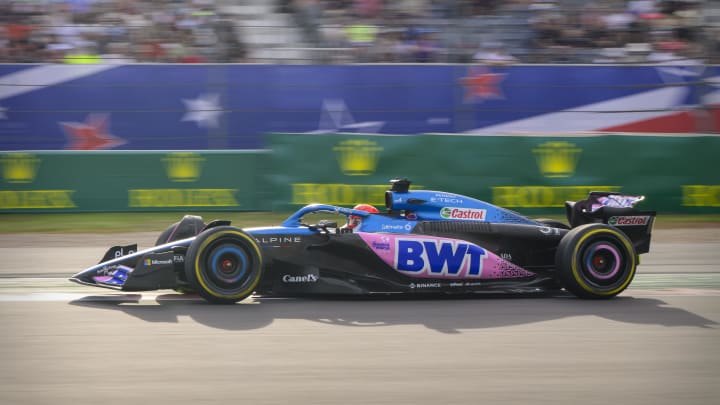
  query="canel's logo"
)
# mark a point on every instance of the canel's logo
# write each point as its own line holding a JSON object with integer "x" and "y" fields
{"x": 308, "y": 278}
{"x": 358, "y": 157}
{"x": 19, "y": 167}
{"x": 437, "y": 258}
{"x": 183, "y": 166}
{"x": 557, "y": 159}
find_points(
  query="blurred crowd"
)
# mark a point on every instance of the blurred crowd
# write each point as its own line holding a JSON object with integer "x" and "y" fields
{"x": 511, "y": 31}
{"x": 365, "y": 31}
{"x": 116, "y": 31}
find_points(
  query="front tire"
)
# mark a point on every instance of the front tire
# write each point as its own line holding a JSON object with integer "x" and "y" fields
{"x": 596, "y": 261}
{"x": 223, "y": 265}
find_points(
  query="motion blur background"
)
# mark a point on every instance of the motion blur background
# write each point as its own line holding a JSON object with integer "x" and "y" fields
{"x": 352, "y": 31}
{"x": 266, "y": 105}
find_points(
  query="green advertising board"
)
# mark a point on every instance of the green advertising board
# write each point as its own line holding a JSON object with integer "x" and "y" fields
{"x": 84, "y": 181}
{"x": 532, "y": 174}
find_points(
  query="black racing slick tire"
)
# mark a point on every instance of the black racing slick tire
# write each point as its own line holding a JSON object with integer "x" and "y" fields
{"x": 223, "y": 265}
{"x": 595, "y": 261}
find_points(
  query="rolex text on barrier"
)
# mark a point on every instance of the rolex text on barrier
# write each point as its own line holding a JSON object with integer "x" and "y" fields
{"x": 534, "y": 174}
{"x": 73, "y": 181}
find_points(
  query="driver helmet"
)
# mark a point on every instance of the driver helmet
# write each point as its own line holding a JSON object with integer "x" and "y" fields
{"x": 355, "y": 220}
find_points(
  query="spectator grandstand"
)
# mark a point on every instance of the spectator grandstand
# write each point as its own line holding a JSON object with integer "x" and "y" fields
{"x": 360, "y": 31}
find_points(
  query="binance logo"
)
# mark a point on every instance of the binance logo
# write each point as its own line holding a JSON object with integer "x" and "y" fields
{"x": 557, "y": 158}
{"x": 358, "y": 157}
{"x": 183, "y": 166}
{"x": 19, "y": 167}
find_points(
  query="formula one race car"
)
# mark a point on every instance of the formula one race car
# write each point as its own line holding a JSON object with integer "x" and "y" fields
{"x": 425, "y": 242}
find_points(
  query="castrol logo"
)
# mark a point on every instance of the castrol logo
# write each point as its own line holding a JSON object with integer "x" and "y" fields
{"x": 467, "y": 214}
{"x": 628, "y": 220}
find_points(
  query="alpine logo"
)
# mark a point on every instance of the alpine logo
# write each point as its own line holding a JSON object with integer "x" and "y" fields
{"x": 467, "y": 214}
{"x": 308, "y": 278}
{"x": 439, "y": 258}
{"x": 629, "y": 220}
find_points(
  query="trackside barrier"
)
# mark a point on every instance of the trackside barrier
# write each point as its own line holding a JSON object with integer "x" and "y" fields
{"x": 67, "y": 181}
{"x": 532, "y": 174}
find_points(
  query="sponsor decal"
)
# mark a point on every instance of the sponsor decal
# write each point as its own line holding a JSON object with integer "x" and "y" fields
{"x": 427, "y": 257}
{"x": 20, "y": 167}
{"x": 383, "y": 244}
{"x": 542, "y": 196}
{"x": 178, "y": 259}
{"x": 557, "y": 158}
{"x": 338, "y": 194}
{"x": 358, "y": 157}
{"x": 107, "y": 270}
{"x": 183, "y": 166}
{"x": 467, "y": 214}
{"x": 34, "y": 199}
{"x": 150, "y": 262}
{"x": 278, "y": 240}
{"x": 701, "y": 195}
{"x": 177, "y": 197}
{"x": 439, "y": 258}
{"x": 121, "y": 252}
{"x": 446, "y": 199}
{"x": 304, "y": 279}
{"x": 628, "y": 220}
{"x": 386, "y": 227}
{"x": 411, "y": 216}
{"x": 425, "y": 285}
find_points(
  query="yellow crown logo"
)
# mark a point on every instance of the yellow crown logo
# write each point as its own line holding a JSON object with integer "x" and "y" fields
{"x": 20, "y": 167}
{"x": 183, "y": 166}
{"x": 358, "y": 157}
{"x": 557, "y": 158}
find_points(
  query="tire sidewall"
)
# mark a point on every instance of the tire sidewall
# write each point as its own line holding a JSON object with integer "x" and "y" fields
{"x": 571, "y": 260}
{"x": 198, "y": 265}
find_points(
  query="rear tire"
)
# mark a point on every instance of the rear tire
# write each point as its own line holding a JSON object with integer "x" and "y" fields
{"x": 223, "y": 265}
{"x": 596, "y": 261}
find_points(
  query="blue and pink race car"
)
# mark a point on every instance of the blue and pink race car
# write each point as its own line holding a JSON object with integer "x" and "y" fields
{"x": 425, "y": 242}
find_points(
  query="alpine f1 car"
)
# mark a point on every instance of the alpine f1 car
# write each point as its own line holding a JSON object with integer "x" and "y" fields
{"x": 425, "y": 242}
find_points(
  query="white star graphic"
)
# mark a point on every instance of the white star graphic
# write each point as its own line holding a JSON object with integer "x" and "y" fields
{"x": 336, "y": 117}
{"x": 204, "y": 110}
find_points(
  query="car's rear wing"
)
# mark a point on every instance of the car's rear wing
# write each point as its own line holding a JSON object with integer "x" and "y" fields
{"x": 617, "y": 210}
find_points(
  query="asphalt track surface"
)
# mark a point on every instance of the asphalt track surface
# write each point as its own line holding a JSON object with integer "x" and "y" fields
{"x": 658, "y": 343}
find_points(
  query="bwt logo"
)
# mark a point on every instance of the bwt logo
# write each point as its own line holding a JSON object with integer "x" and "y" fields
{"x": 439, "y": 258}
